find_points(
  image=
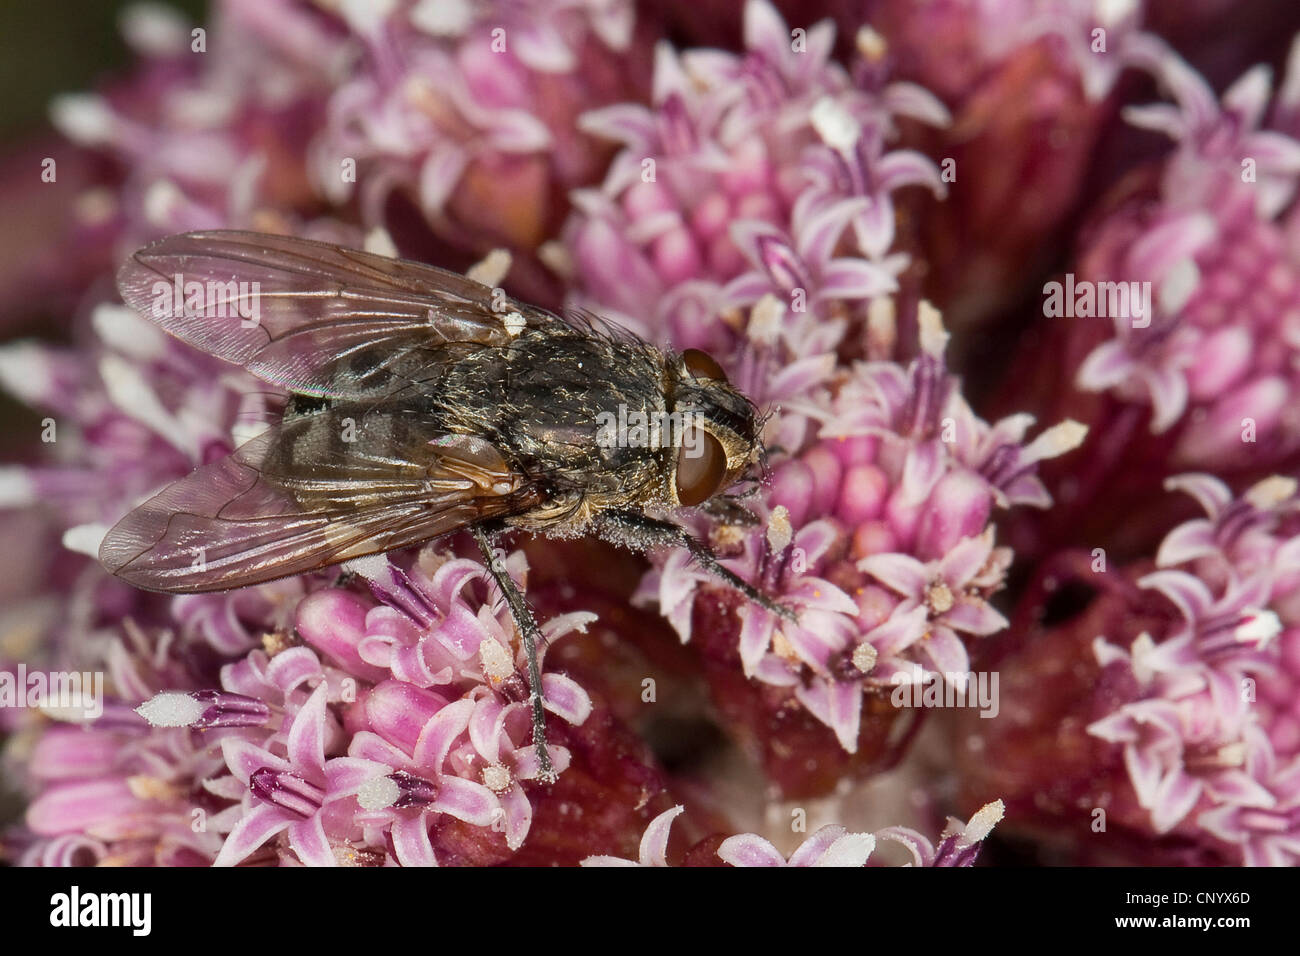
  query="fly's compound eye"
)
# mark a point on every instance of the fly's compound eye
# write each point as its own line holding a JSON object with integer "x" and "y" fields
{"x": 701, "y": 365}
{"x": 701, "y": 466}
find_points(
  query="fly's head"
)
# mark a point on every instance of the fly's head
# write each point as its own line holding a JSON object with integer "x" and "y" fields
{"x": 719, "y": 437}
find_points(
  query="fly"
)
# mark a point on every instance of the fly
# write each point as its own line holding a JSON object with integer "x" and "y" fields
{"x": 421, "y": 403}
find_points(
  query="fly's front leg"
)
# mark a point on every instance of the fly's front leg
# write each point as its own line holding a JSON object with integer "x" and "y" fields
{"x": 531, "y": 635}
{"x": 639, "y": 532}
{"x": 728, "y": 509}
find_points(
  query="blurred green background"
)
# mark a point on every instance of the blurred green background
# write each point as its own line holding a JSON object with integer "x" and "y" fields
{"x": 59, "y": 46}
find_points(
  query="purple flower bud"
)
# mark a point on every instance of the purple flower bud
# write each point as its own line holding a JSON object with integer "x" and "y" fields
{"x": 959, "y": 507}
{"x": 229, "y": 710}
{"x": 858, "y": 450}
{"x": 398, "y": 711}
{"x": 793, "y": 486}
{"x": 334, "y": 622}
{"x": 826, "y": 472}
{"x": 862, "y": 494}
{"x": 783, "y": 265}
{"x": 287, "y": 791}
{"x": 413, "y": 791}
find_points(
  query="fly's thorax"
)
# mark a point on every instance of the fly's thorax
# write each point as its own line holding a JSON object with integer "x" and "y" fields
{"x": 578, "y": 404}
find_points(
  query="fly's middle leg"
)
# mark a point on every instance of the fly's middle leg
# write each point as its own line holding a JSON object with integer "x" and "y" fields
{"x": 532, "y": 636}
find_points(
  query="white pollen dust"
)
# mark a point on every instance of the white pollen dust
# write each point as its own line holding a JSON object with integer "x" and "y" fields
{"x": 779, "y": 530}
{"x": 378, "y": 794}
{"x": 496, "y": 660}
{"x": 496, "y": 778}
{"x": 171, "y": 709}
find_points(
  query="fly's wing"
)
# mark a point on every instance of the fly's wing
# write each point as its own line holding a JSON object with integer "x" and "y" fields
{"x": 311, "y": 492}
{"x": 312, "y": 317}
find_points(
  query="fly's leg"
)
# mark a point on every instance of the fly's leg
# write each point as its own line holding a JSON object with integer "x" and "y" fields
{"x": 727, "y": 508}
{"x": 636, "y": 531}
{"x": 531, "y": 635}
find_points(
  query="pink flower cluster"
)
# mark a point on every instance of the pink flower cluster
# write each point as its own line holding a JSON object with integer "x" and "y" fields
{"x": 1210, "y": 236}
{"x": 879, "y": 532}
{"x": 354, "y": 732}
{"x": 950, "y": 466}
{"x": 1211, "y": 740}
